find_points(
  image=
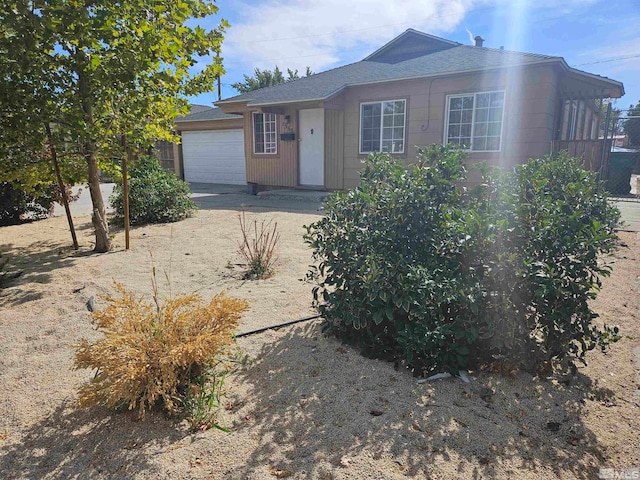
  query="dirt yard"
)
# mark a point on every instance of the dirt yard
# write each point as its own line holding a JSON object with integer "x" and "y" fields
{"x": 307, "y": 407}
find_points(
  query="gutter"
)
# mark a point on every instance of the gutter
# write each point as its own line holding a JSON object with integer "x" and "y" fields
{"x": 239, "y": 117}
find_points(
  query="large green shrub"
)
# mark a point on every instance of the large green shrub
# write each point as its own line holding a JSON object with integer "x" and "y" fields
{"x": 155, "y": 195}
{"x": 565, "y": 224}
{"x": 411, "y": 267}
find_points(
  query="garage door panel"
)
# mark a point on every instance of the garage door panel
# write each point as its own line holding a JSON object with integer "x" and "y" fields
{"x": 214, "y": 156}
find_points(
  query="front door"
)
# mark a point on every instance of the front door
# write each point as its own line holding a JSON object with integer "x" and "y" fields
{"x": 311, "y": 152}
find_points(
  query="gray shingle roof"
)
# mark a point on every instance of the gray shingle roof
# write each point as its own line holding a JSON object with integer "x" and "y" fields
{"x": 457, "y": 59}
{"x": 204, "y": 112}
{"x": 195, "y": 108}
{"x": 453, "y": 60}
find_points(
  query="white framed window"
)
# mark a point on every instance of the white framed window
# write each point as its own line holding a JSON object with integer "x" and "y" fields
{"x": 265, "y": 133}
{"x": 382, "y": 126}
{"x": 474, "y": 121}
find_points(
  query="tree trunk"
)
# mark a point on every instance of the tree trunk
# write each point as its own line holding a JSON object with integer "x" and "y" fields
{"x": 99, "y": 218}
{"x": 61, "y": 185}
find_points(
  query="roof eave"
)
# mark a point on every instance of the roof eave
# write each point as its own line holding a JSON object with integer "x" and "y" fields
{"x": 231, "y": 101}
{"x": 208, "y": 120}
{"x": 598, "y": 78}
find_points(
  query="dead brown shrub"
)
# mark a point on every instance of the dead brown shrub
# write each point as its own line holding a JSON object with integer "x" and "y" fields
{"x": 258, "y": 247}
{"x": 151, "y": 353}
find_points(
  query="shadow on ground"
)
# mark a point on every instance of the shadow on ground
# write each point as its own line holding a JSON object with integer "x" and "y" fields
{"x": 88, "y": 443}
{"x": 34, "y": 265}
{"x": 319, "y": 405}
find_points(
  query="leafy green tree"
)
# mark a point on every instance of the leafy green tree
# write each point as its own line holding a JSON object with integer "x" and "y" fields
{"x": 632, "y": 125}
{"x": 615, "y": 127}
{"x": 267, "y": 78}
{"x": 105, "y": 74}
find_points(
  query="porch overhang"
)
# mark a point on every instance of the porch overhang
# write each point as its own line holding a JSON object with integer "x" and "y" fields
{"x": 576, "y": 84}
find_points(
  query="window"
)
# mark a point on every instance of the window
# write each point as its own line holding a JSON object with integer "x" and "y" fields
{"x": 474, "y": 121}
{"x": 573, "y": 121}
{"x": 382, "y": 126}
{"x": 264, "y": 133}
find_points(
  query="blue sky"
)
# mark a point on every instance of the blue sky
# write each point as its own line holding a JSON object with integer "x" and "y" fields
{"x": 596, "y": 36}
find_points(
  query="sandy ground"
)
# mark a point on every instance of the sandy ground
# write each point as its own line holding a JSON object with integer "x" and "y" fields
{"x": 303, "y": 408}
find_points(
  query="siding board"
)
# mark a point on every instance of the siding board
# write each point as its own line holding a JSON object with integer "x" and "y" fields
{"x": 334, "y": 149}
{"x": 281, "y": 169}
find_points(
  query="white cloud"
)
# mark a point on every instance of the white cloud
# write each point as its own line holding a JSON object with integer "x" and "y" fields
{"x": 300, "y": 33}
{"x": 325, "y": 33}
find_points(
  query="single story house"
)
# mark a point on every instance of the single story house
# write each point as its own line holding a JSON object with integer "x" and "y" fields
{"x": 503, "y": 107}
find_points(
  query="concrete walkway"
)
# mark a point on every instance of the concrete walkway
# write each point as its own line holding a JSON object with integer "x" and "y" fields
{"x": 235, "y": 197}
{"x": 298, "y": 195}
{"x": 83, "y": 205}
{"x": 216, "y": 196}
{"x": 630, "y": 213}
{"x": 212, "y": 196}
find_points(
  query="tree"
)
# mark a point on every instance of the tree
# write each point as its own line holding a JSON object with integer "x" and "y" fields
{"x": 632, "y": 125}
{"x": 100, "y": 72}
{"x": 267, "y": 78}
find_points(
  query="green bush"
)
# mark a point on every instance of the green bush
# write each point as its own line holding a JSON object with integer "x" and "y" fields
{"x": 155, "y": 195}
{"x": 411, "y": 267}
{"x": 17, "y": 205}
{"x": 565, "y": 224}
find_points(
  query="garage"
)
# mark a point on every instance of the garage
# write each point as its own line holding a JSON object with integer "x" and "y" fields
{"x": 212, "y": 147}
{"x": 214, "y": 156}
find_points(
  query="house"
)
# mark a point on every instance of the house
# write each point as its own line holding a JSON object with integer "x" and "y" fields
{"x": 503, "y": 107}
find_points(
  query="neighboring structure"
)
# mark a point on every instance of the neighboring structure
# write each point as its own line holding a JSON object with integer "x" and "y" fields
{"x": 168, "y": 153}
{"x": 504, "y": 107}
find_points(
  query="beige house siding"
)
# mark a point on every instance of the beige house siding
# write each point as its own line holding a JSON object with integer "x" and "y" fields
{"x": 334, "y": 149}
{"x": 280, "y": 169}
{"x": 530, "y": 104}
{"x": 226, "y": 124}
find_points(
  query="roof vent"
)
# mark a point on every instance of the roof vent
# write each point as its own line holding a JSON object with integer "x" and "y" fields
{"x": 479, "y": 41}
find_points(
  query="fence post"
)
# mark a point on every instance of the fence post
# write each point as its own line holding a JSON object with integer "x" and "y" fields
{"x": 604, "y": 142}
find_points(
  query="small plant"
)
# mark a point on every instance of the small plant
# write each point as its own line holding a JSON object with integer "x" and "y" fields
{"x": 155, "y": 353}
{"x": 155, "y": 195}
{"x": 201, "y": 401}
{"x": 258, "y": 247}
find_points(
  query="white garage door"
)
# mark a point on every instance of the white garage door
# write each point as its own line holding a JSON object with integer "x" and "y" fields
{"x": 214, "y": 156}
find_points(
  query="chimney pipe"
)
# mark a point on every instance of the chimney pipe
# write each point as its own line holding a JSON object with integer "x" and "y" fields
{"x": 479, "y": 41}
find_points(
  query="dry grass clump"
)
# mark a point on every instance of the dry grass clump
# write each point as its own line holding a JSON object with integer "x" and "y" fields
{"x": 258, "y": 247}
{"x": 152, "y": 353}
